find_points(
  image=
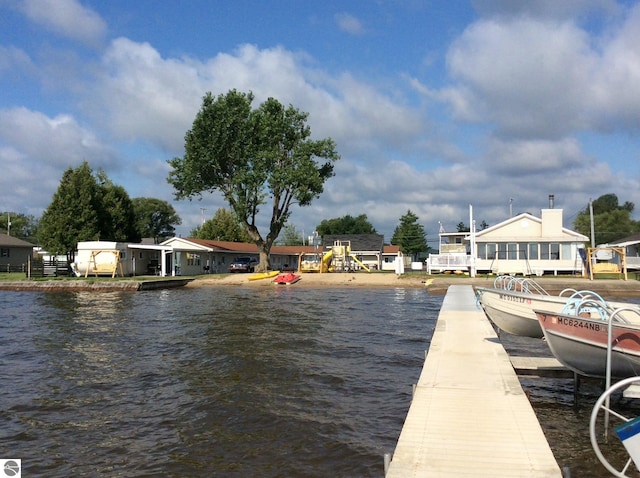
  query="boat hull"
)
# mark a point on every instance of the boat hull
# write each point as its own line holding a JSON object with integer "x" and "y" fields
{"x": 287, "y": 279}
{"x": 580, "y": 344}
{"x": 512, "y": 311}
{"x": 263, "y": 275}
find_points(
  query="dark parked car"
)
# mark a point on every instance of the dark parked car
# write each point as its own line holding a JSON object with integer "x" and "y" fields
{"x": 243, "y": 264}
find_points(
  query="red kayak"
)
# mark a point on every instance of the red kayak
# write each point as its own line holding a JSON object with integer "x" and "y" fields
{"x": 287, "y": 278}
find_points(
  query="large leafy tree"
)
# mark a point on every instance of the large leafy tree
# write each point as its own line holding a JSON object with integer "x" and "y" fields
{"x": 18, "y": 225}
{"x": 410, "y": 236}
{"x": 346, "y": 225}
{"x": 155, "y": 218}
{"x": 611, "y": 219}
{"x": 253, "y": 157}
{"x": 290, "y": 236}
{"x": 224, "y": 226}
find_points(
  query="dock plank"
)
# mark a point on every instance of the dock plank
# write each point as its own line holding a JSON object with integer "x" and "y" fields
{"x": 540, "y": 367}
{"x": 469, "y": 415}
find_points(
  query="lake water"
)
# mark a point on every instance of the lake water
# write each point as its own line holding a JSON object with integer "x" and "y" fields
{"x": 200, "y": 382}
{"x": 230, "y": 382}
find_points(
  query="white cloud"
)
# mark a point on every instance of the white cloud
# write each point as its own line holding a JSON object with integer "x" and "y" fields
{"x": 548, "y": 9}
{"x": 536, "y": 157}
{"x": 59, "y": 141}
{"x": 350, "y": 24}
{"x": 545, "y": 79}
{"x": 616, "y": 103}
{"x": 35, "y": 150}
{"x": 530, "y": 78}
{"x": 142, "y": 96}
{"x": 156, "y": 99}
{"x": 12, "y": 59}
{"x": 67, "y": 18}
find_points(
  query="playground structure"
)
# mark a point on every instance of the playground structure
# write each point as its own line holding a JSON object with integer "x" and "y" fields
{"x": 338, "y": 258}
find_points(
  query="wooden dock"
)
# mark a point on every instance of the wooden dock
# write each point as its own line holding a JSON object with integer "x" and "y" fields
{"x": 469, "y": 416}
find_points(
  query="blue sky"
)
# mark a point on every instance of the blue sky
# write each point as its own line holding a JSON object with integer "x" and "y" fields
{"x": 434, "y": 105}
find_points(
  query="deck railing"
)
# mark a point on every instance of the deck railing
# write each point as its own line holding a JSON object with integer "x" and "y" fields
{"x": 447, "y": 262}
{"x": 633, "y": 263}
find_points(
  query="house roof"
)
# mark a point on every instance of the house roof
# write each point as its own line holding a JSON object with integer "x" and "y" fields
{"x": 235, "y": 247}
{"x": 573, "y": 235}
{"x": 251, "y": 248}
{"x": 626, "y": 241}
{"x": 390, "y": 249}
{"x": 10, "y": 241}
{"x": 359, "y": 242}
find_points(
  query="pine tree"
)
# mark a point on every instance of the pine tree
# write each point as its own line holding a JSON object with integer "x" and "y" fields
{"x": 72, "y": 215}
{"x": 410, "y": 236}
{"x": 86, "y": 207}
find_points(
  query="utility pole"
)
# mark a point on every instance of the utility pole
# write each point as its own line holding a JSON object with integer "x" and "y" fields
{"x": 8, "y": 223}
{"x": 593, "y": 231}
{"x": 472, "y": 228}
{"x": 202, "y": 210}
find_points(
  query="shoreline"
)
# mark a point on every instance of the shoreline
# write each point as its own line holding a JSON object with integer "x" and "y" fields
{"x": 105, "y": 285}
{"x": 436, "y": 284}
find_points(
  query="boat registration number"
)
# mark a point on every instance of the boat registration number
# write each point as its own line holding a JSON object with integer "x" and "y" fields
{"x": 578, "y": 323}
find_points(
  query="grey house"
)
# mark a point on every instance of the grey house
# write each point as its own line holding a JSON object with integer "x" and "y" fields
{"x": 14, "y": 254}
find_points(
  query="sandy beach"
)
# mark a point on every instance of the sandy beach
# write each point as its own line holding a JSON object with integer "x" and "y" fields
{"x": 437, "y": 284}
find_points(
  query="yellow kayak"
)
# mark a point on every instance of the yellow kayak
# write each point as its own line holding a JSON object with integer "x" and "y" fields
{"x": 263, "y": 275}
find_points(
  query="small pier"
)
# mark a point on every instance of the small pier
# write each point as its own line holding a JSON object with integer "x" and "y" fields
{"x": 469, "y": 416}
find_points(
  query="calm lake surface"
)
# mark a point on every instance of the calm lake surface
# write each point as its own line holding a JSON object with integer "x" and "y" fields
{"x": 233, "y": 382}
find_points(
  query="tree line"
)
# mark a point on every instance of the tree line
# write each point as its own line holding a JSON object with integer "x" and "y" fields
{"x": 88, "y": 206}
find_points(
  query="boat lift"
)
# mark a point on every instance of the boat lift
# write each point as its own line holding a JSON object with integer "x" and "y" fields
{"x": 629, "y": 430}
{"x": 107, "y": 266}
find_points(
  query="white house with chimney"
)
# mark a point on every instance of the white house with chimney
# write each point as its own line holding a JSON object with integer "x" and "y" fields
{"x": 523, "y": 244}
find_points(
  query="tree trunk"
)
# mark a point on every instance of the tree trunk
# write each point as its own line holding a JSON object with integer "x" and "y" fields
{"x": 265, "y": 264}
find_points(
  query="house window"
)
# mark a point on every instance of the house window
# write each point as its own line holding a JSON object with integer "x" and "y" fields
{"x": 533, "y": 251}
{"x": 512, "y": 251}
{"x": 4, "y": 252}
{"x": 193, "y": 259}
{"x": 491, "y": 251}
{"x": 482, "y": 251}
{"x": 544, "y": 250}
{"x": 522, "y": 251}
{"x": 566, "y": 252}
{"x": 554, "y": 251}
